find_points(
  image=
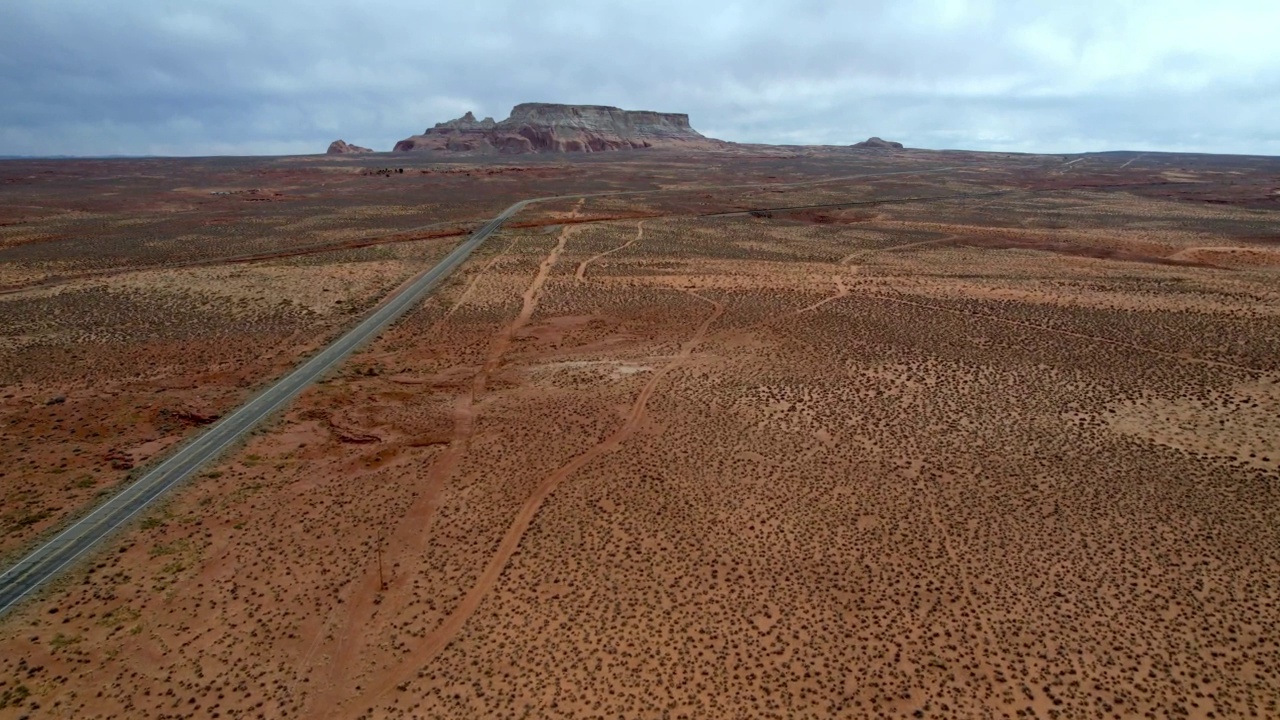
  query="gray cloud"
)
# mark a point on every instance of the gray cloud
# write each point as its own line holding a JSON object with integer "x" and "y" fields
{"x": 285, "y": 76}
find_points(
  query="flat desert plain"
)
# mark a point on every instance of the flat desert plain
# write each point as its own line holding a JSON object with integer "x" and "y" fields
{"x": 775, "y": 435}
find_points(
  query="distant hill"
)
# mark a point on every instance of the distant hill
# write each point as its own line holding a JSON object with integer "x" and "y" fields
{"x": 342, "y": 147}
{"x": 875, "y": 143}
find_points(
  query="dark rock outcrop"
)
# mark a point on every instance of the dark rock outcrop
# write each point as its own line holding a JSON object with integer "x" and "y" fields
{"x": 549, "y": 128}
{"x": 875, "y": 143}
{"x": 340, "y": 147}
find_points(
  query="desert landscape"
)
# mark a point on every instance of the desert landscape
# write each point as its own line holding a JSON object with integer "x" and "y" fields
{"x": 753, "y": 432}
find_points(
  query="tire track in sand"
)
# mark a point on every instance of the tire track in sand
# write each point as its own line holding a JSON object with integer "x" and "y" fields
{"x": 581, "y": 273}
{"x": 842, "y": 291}
{"x": 436, "y": 641}
{"x": 530, "y": 298}
{"x": 864, "y": 254}
{"x": 414, "y": 525}
{"x": 435, "y": 328}
{"x": 471, "y": 286}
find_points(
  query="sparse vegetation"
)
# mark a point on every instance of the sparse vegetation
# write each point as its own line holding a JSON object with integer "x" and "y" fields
{"x": 61, "y": 641}
{"x": 1001, "y": 455}
{"x": 14, "y": 696}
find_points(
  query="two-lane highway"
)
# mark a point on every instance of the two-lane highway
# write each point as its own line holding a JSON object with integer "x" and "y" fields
{"x": 48, "y": 560}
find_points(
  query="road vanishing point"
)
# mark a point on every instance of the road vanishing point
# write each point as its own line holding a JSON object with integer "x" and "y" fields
{"x": 46, "y": 562}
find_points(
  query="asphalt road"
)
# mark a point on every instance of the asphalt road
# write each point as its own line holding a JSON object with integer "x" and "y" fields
{"x": 44, "y": 564}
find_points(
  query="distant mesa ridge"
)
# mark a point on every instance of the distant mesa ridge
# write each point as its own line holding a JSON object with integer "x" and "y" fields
{"x": 557, "y": 128}
{"x": 551, "y": 128}
{"x": 340, "y": 147}
{"x": 875, "y": 143}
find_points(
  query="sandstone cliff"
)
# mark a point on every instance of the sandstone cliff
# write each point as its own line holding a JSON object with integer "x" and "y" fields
{"x": 340, "y": 147}
{"x": 548, "y": 128}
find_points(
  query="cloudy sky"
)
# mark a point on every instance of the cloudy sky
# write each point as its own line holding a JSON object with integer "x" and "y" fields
{"x": 90, "y": 77}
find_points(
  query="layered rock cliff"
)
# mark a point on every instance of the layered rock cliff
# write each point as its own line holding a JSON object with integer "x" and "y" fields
{"x": 548, "y": 128}
{"x": 340, "y": 147}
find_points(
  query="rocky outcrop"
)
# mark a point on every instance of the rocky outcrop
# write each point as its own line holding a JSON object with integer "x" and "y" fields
{"x": 875, "y": 143}
{"x": 340, "y": 147}
{"x": 548, "y": 128}
{"x": 466, "y": 122}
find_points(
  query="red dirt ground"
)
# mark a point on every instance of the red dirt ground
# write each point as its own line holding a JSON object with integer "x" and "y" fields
{"x": 1001, "y": 456}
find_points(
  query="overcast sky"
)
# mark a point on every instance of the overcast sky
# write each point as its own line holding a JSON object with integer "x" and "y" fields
{"x": 90, "y": 77}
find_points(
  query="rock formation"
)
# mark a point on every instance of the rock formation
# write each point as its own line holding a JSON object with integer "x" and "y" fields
{"x": 548, "y": 128}
{"x": 466, "y": 122}
{"x": 875, "y": 143}
{"x": 340, "y": 147}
